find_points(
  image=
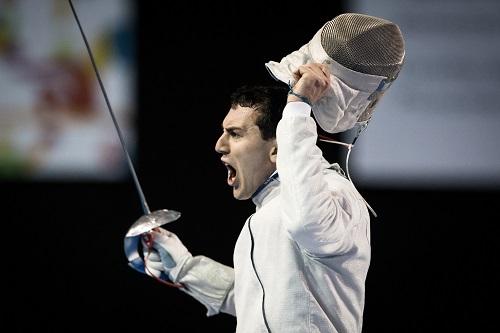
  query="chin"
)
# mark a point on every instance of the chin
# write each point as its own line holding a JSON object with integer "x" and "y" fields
{"x": 241, "y": 196}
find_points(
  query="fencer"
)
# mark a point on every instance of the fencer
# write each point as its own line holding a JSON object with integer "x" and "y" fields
{"x": 301, "y": 259}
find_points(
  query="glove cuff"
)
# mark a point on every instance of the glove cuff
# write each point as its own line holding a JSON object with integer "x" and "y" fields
{"x": 176, "y": 273}
{"x": 207, "y": 281}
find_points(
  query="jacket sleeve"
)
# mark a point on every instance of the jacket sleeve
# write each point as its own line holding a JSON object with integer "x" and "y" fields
{"x": 209, "y": 282}
{"x": 317, "y": 212}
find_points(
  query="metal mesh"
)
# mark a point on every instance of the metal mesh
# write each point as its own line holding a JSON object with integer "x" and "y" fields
{"x": 364, "y": 44}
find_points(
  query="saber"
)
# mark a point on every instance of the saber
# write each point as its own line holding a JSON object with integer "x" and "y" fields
{"x": 149, "y": 220}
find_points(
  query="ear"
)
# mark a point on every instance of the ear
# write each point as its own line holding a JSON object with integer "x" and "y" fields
{"x": 273, "y": 153}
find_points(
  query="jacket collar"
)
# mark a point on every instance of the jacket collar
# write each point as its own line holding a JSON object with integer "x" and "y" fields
{"x": 262, "y": 193}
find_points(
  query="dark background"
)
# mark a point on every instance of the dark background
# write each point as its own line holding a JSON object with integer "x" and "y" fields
{"x": 64, "y": 268}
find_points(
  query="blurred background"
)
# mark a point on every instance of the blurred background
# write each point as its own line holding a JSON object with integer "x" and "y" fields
{"x": 428, "y": 163}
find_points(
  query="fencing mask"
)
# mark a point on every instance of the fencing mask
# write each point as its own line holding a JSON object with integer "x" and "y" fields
{"x": 365, "y": 55}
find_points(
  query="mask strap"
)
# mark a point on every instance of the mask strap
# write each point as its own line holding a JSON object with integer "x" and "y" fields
{"x": 349, "y": 148}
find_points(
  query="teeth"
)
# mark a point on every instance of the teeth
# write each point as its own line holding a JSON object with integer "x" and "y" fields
{"x": 231, "y": 172}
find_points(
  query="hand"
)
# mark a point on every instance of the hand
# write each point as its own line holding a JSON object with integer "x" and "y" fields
{"x": 152, "y": 260}
{"x": 172, "y": 253}
{"x": 312, "y": 81}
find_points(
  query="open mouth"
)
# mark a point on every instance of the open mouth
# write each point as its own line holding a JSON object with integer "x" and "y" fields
{"x": 231, "y": 174}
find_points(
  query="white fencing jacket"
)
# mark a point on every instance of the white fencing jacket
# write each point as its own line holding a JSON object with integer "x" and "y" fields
{"x": 301, "y": 259}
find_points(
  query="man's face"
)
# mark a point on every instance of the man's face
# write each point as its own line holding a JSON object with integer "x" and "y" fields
{"x": 248, "y": 158}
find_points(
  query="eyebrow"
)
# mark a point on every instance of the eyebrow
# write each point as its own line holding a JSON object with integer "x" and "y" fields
{"x": 233, "y": 128}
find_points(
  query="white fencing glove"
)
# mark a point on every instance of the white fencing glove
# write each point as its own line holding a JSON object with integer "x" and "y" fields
{"x": 172, "y": 253}
{"x": 152, "y": 260}
{"x": 206, "y": 280}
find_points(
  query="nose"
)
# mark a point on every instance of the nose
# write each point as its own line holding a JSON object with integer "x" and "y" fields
{"x": 221, "y": 145}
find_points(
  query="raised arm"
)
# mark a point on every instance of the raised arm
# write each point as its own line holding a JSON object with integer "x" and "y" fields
{"x": 316, "y": 211}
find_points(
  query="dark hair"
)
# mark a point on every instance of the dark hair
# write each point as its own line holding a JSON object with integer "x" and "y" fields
{"x": 268, "y": 101}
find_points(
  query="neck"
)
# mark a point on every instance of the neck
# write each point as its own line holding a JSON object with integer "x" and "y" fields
{"x": 269, "y": 179}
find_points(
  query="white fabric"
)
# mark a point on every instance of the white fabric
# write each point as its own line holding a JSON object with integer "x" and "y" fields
{"x": 311, "y": 247}
{"x": 349, "y": 93}
{"x": 172, "y": 252}
{"x": 152, "y": 261}
{"x": 209, "y": 282}
{"x": 206, "y": 280}
{"x": 311, "y": 243}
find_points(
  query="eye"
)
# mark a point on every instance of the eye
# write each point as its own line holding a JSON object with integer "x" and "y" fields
{"x": 233, "y": 134}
